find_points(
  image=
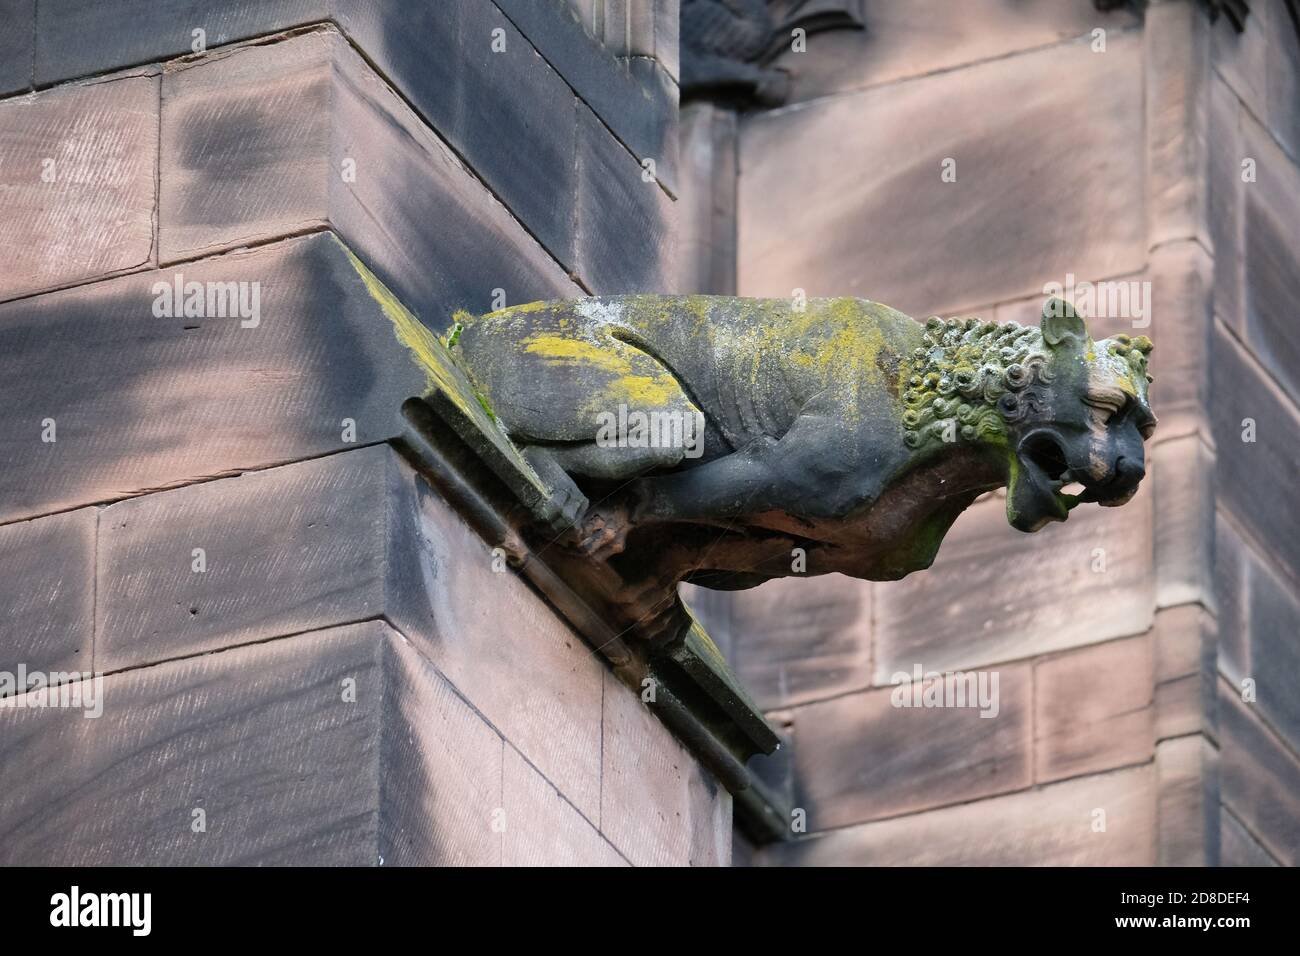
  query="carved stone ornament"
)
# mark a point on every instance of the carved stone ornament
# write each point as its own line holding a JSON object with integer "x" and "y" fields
{"x": 652, "y": 439}
{"x": 728, "y": 45}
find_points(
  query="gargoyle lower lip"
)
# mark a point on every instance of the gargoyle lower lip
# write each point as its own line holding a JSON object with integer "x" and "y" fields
{"x": 1041, "y": 453}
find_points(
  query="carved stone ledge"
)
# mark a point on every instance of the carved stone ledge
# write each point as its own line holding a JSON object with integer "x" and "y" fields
{"x": 452, "y": 440}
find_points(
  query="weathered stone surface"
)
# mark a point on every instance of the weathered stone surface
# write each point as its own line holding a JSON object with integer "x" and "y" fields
{"x": 1176, "y": 70}
{"x": 1238, "y": 847}
{"x": 441, "y": 769}
{"x": 501, "y": 646}
{"x": 625, "y": 238}
{"x": 78, "y": 182}
{"x": 340, "y": 539}
{"x": 16, "y": 44}
{"x": 336, "y": 146}
{"x": 1183, "y": 474}
{"x": 470, "y": 94}
{"x": 1283, "y": 75}
{"x": 1187, "y": 802}
{"x": 859, "y": 757}
{"x": 799, "y": 639}
{"x": 284, "y": 550}
{"x": 1242, "y": 59}
{"x": 1272, "y": 257}
{"x": 656, "y": 805}
{"x": 193, "y": 398}
{"x": 1231, "y": 561}
{"x": 138, "y": 31}
{"x": 47, "y": 592}
{"x": 1275, "y": 650}
{"x": 638, "y": 106}
{"x": 1049, "y": 826}
{"x": 1225, "y": 200}
{"x": 1184, "y": 645}
{"x": 908, "y": 38}
{"x": 505, "y": 110}
{"x": 1003, "y": 595}
{"x": 246, "y": 137}
{"x": 706, "y": 242}
{"x": 544, "y": 829}
{"x": 1254, "y": 479}
{"x": 1093, "y": 709}
{"x": 1181, "y": 278}
{"x": 1259, "y": 778}
{"x": 805, "y": 224}
{"x": 1261, "y": 64}
{"x": 259, "y": 738}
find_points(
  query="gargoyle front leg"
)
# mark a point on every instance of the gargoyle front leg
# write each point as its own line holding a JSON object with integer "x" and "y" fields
{"x": 804, "y": 472}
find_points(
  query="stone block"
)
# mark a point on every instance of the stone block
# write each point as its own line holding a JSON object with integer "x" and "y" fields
{"x": 441, "y": 769}
{"x": 505, "y": 110}
{"x": 1272, "y": 257}
{"x": 340, "y": 539}
{"x": 1184, "y": 646}
{"x": 1093, "y": 709}
{"x": 799, "y": 640}
{"x": 1231, "y": 564}
{"x": 1176, "y": 69}
{"x": 994, "y": 594}
{"x": 1180, "y": 276}
{"x": 638, "y": 105}
{"x": 194, "y": 398}
{"x": 1187, "y": 802}
{"x": 1182, "y": 477}
{"x": 79, "y": 37}
{"x": 544, "y": 829}
{"x": 259, "y": 739}
{"x": 17, "y": 44}
{"x": 861, "y": 757}
{"x": 1225, "y": 186}
{"x": 499, "y": 643}
{"x": 333, "y": 145}
{"x": 1058, "y": 825}
{"x": 1274, "y": 617}
{"x": 47, "y": 591}
{"x": 706, "y": 245}
{"x": 1238, "y": 847}
{"x": 1282, "y": 73}
{"x": 1259, "y": 778}
{"x": 658, "y": 807}
{"x": 78, "y": 179}
{"x": 876, "y": 233}
{"x": 908, "y": 38}
{"x": 625, "y": 238}
{"x": 1255, "y": 479}
{"x": 284, "y": 550}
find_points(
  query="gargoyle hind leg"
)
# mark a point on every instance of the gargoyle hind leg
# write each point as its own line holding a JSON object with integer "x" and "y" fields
{"x": 557, "y": 463}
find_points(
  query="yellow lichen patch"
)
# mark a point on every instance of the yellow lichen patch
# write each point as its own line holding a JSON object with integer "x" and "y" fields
{"x": 440, "y": 370}
{"x": 644, "y": 391}
{"x": 524, "y": 309}
{"x": 563, "y": 349}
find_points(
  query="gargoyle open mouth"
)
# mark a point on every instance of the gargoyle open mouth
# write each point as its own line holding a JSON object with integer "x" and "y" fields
{"x": 1039, "y": 470}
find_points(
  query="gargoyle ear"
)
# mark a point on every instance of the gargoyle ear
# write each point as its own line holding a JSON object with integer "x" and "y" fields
{"x": 1061, "y": 323}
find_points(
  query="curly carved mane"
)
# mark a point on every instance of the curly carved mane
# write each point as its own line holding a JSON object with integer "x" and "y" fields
{"x": 969, "y": 379}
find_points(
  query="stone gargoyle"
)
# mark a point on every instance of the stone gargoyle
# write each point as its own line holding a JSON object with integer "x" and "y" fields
{"x": 728, "y": 441}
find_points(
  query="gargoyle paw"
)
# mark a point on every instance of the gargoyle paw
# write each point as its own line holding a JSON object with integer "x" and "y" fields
{"x": 604, "y": 533}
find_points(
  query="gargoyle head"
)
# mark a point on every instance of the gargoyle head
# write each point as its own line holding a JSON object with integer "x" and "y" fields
{"x": 1062, "y": 408}
{"x": 1083, "y": 418}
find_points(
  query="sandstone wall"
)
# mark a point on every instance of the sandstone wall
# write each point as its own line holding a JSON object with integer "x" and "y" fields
{"x": 1122, "y": 637}
{"x": 307, "y": 657}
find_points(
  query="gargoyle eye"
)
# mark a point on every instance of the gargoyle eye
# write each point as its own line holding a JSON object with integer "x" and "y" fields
{"x": 1110, "y": 405}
